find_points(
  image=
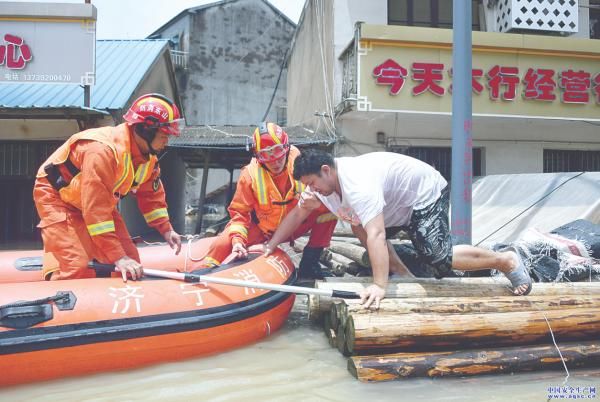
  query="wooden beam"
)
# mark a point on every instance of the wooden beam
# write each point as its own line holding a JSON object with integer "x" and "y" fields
{"x": 200, "y": 213}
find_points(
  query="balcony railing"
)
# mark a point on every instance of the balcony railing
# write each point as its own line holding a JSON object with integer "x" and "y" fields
{"x": 179, "y": 59}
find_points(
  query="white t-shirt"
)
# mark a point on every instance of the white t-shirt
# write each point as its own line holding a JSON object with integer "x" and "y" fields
{"x": 377, "y": 182}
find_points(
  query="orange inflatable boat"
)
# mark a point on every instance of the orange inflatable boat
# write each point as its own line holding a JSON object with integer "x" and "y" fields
{"x": 26, "y": 265}
{"x": 53, "y": 329}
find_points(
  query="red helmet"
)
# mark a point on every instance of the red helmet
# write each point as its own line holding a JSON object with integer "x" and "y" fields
{"x": 269, "y": 142}
{"x": 156, "y": 111}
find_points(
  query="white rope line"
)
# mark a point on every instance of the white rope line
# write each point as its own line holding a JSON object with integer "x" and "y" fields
{"x": 226, "y": 134}
{"x": 556, "y": 346}
{"x": 497, "y": 279}
{"x": 188, "y": 251}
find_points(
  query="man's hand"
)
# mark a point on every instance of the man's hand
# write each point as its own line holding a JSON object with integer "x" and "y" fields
{"x": 174, "y": 240}
{"x": 373, "y": 293}
{"x": 126, "y": 265}
{"x": 308, "y": 200}
{"x": 268, "y": 249}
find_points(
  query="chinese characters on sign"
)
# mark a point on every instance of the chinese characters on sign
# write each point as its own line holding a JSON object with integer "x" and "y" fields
{"x": 14, "y": 52}
{"x": 502, "y": 82}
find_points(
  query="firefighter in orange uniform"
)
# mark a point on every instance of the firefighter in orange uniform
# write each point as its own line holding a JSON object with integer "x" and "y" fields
{"x": 266, "y": 191}
{"x": 77, "y": 190}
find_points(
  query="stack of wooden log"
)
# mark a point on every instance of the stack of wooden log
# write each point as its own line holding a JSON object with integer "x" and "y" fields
{"x": 344, "y": 256}
{"x": 461, "y": 326}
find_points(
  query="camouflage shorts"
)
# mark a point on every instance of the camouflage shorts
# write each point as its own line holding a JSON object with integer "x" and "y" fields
{"x": 429, "y": 232}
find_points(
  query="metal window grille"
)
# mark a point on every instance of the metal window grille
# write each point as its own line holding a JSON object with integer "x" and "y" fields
{"x": 427, "y": 13}
{"x": 438, "y": 157}
{"x": 22, "y": 159}
{"x": 556, "y": 160}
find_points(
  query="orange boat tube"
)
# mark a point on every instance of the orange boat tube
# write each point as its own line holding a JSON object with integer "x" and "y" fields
{"x": 68, "y": 328}
{"x": 26, "y": 265}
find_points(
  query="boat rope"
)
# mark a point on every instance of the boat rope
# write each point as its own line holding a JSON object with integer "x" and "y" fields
{"x": 45, "y": 300}
{"x": 497, "y": 279}
{"x": 188, "y": 251}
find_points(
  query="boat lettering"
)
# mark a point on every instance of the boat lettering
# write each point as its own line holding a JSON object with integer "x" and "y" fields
{"x": 279, "y": 265}
{"x": 192, "y": 288}
{"x": 250, "y": 276}
{"x": 126, "y": 295}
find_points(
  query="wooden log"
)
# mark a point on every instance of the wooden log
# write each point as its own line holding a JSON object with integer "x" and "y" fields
{"x": 340, "y": 265}
{"x": 404, "y": 332}
{"x": 300, "y": 243}
{"x": 356, "y": 253}
{"x": 395, "y": 279}
{"x": 335, "y": 314}
{"x": 426, "y": 287}
{"x": 332, "y": 338}
{"x": 464, "y": 305}
{"x": 341, "y": 343}
{"x": 346, "y": 239}
{"x": 325, "y": 256}
{"x": 473, "y": 362}
{"x": 326, "y": 325}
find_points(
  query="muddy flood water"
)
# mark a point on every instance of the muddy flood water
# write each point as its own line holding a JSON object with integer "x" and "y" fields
{"x": 293, "y": 364}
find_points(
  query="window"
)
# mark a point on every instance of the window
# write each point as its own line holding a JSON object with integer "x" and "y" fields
{"x": 594, "y": 19}
{"x": 427, "y": 13}
{"x": 556, "y": 160}
{"x": 438, "y": 157}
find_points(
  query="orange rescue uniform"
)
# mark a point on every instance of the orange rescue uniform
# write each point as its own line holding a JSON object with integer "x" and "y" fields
{"x": 260, "y": 203}
{"x": 90, "y": 173}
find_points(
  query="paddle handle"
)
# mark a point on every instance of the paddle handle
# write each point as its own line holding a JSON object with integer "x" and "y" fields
{"x": 257, "y": 285}
{"x": 193, "y": 278}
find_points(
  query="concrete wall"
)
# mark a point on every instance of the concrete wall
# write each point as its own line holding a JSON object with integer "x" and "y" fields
{"x": 236, "y": 50}
{"x": 310, "y": 70}
{"x": 346, "y": 14}
{"x": 508, "y": 145}
{"x": 315, "y": 72}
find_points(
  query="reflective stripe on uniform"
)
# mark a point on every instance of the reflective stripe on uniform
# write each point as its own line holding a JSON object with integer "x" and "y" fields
{"x": 141, "y": 175}
{"x": 101, "y": 227}
{"x": 299, "y": 186}
{"x": 126, "y": 170}
{"x": 326, "y": 217}
{"x": 239, "y": 229}
{"x": 209, "y": 261}
{"x": 156, "y": 214}
{"x": 261, "y": 187}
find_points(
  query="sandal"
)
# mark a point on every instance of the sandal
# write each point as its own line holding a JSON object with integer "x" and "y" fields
{"x": 519, "y": 275}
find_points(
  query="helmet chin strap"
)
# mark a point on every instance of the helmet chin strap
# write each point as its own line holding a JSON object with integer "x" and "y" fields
{"x": 148, "y": 135}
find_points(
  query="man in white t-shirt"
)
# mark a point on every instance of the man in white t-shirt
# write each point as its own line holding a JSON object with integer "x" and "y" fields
{"x": 381, "y": 193}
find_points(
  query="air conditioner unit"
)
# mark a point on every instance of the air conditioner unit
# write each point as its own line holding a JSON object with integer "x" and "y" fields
{"x": 537, "y": 15}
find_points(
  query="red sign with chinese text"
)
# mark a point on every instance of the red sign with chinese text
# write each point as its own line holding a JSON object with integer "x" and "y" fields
{"x": 538, "y": 84}
{"x": 14, "y": 52}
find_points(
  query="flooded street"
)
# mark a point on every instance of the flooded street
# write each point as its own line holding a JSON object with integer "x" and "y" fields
{"x": 294, "y": 364}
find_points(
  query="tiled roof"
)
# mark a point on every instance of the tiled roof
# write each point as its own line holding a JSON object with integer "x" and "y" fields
{"x": 236, "y": 137}
{"x": 121, "y": 65}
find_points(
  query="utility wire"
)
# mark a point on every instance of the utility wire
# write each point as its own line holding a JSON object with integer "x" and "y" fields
{"x": 528, "y": 208}
{"x": 276, "y": 84}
